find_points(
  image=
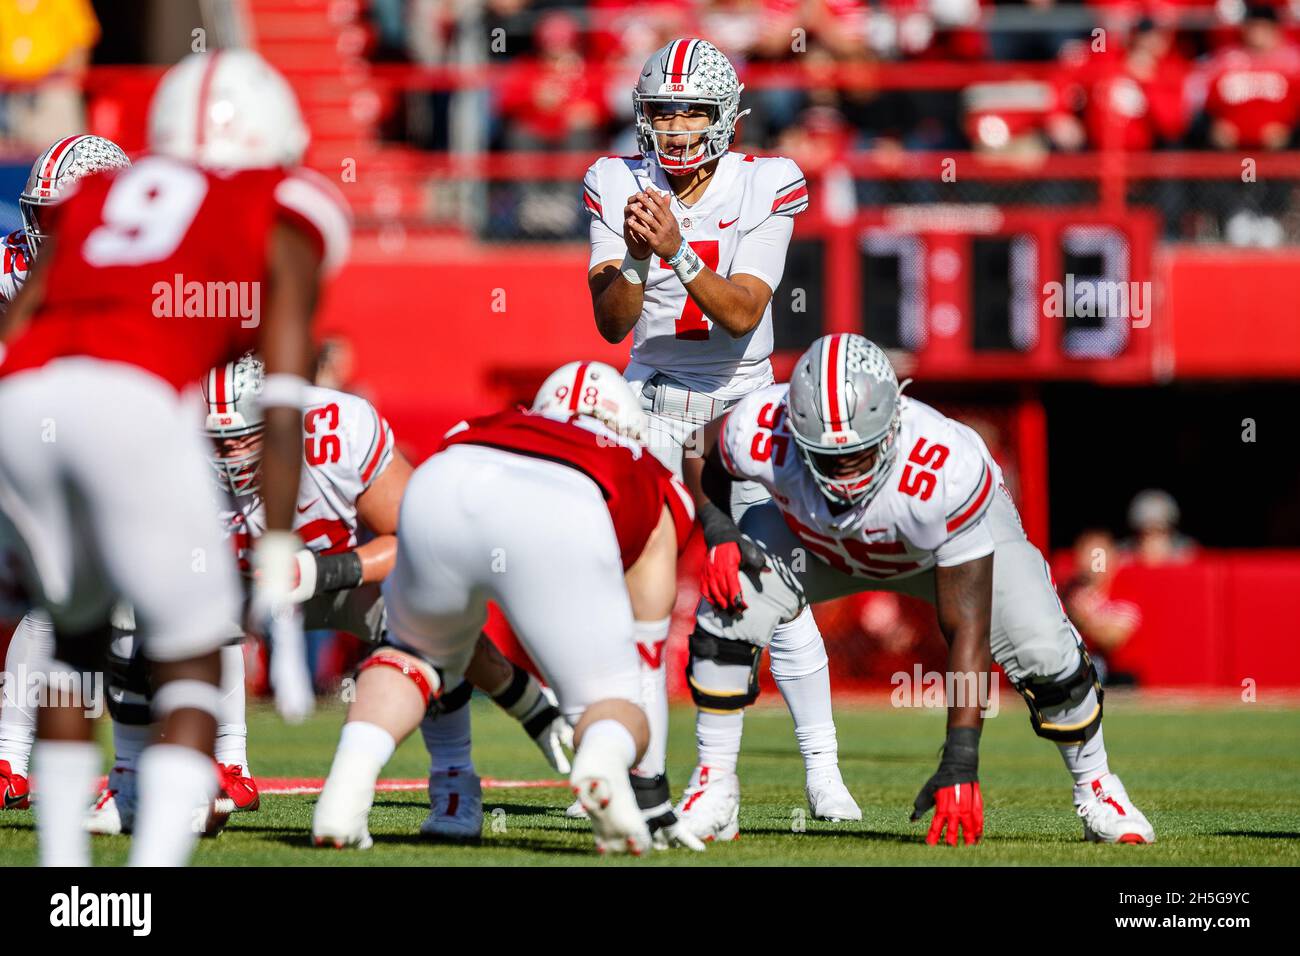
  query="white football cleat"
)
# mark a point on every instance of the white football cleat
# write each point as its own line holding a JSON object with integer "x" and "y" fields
{"x": 710, "y": 807}
{"x": 601, "y": 784}
{"x": 113, "y": 812}
{"x": 455, "y": 806}
{"x": 576, "y": 811}
{"x": 342, "y": 816}
{"x": 829, "y": 799}
{"x": 677, "y": 834}
{"x": 1109, "y": 816}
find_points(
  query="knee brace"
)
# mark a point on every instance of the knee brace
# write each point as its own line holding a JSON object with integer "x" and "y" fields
{"x": 1064, "y": 693}
{"x": 429, "y": 691}
{"x": 129, "y": 683}
{"x": 722, "y": 674}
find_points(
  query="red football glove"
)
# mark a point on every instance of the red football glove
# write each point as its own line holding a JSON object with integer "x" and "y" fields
{"x": 720, "y": 577}
{"x": 957, "y": 806}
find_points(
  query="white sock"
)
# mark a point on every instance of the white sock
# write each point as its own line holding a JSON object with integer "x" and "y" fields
{"x": 65, "y": 772}
{"x": 820, "y": 749}
{"x": 609, "y": 733}
{"x": 363, "y": 750}
{"x": 232, "y": 726}
{"x": 1086, "y": 762}
{"x": 654, "y": 696}
{"x": 175, "y": 784}
{"x": 802, "y": 672}
{"x": 369, "y": 744}
{"x": 29, "y": 655}
{"x": 447, "y": 738}
{"x": 718, "y": 738}
{"x": 129, "y": 742}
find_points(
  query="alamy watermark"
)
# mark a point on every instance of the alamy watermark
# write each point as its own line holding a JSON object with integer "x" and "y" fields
{"x": 917, "y": 688}
{"x": 1089, "y": 298}
{"x": 180, "y": 299}
{"x": 29, "y": 689}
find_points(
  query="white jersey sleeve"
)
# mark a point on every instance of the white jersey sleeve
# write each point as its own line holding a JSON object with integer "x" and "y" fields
{"x": 762, "y": 250}
{"x": 967, "y": 484}
{"x": 754, "y": 442}
{"x": 779, "y": 193}
{"x": 599, "y": 188}
{"x": 370, "y": 440}
{"x": 783, "y": 180}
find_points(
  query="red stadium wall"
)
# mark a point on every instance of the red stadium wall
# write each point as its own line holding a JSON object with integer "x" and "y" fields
{"x": 436, "y": 343}
{"x": 1217, "y": 621}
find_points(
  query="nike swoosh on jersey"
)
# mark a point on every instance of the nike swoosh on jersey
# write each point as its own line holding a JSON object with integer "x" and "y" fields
{"x": 303, "y": 509}
{"x": 724, "y": 225}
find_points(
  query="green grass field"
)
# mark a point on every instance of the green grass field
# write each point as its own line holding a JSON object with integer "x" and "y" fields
{"x": 1219, "y": 783}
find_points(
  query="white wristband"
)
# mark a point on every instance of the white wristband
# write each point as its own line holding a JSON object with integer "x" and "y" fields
{"x": 686, "y": 263}
{"x": 635, "y": 271}
{"x": 305, "y": 589}
{"x": 275, "y": 563}
{"x": 283, "y": 389}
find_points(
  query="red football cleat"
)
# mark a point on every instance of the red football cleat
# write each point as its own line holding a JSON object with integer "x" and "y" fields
{"x": 238, "y": 788}
{"x": 13, "y": 788}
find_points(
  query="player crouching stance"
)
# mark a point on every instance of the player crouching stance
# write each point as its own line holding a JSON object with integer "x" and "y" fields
{"x": 353, "y": 479}
{"x": 880, "y": 492}
{"x": 545, "y": 516}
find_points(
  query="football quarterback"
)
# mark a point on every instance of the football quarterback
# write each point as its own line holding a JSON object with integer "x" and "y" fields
{"x": 688, "y": 247}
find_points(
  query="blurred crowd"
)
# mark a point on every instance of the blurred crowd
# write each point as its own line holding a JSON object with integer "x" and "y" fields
{"x": 1134, "y": 74}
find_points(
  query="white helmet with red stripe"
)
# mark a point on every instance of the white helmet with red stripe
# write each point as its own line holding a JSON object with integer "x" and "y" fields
{"x": 684, "y": 74}
{"x": 227, "y": 110}
{"x": 232, "y": 393}
{"x": 68, "y": 160}
{"x": 844, "y": 407}
{"x": 596, "y": 390}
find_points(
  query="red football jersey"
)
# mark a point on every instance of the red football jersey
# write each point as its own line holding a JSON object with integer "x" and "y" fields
{"x": 163, "y": 265}
{"x": 635, "y": 485}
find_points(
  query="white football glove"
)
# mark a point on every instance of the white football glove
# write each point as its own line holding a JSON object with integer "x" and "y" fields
{"x": 555, "y": 738}
{"x": 275, "y": 566}
{"x": 677, "y": 834}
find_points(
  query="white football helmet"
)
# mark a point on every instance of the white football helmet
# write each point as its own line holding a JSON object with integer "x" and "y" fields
{"x": 227, "y": 110}
{"x": 68, "y": 160}
{"x": 844, "y": 399}
{"x": 688, "y": 73}
{"x": 596, "y": 390}
{"x": 232, "y": 393}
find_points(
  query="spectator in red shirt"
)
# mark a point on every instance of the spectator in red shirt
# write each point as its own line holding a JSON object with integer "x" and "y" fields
{"x": 551, "y": 100}
{"x": 1106, "y": 624}
{"x": 1131, "y": 98}
{"x": 1253, "y": 92}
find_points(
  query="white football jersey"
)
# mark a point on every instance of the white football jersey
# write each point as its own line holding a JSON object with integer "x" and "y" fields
{"x": 17, "y": 261}
{"x": 347, "y": 444}
{"x": 930, "y": 511}
{"x": 741, "y": 224}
